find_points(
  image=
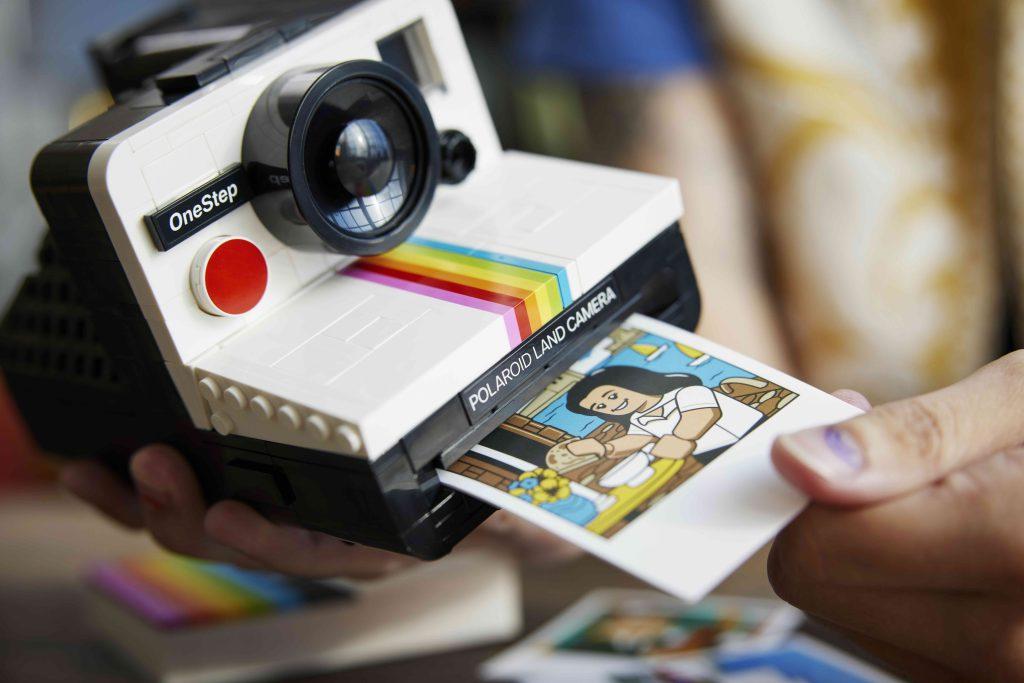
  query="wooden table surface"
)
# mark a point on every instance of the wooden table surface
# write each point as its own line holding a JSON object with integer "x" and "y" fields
{"x": 46, "y": 538}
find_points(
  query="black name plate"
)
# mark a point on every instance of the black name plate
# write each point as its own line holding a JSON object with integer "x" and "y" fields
{"x": 529, "y": 358}
{"x": 184, "y": 217}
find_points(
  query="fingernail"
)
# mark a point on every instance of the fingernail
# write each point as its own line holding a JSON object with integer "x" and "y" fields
{"x": 149, "y": 486}
{"x": 829, "y": 452}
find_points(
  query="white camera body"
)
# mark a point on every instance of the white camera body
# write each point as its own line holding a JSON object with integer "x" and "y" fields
{"x": 289, "y": 357}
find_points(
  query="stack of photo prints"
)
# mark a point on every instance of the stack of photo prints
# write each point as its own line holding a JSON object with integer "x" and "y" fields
{"x": 638, "y": 636}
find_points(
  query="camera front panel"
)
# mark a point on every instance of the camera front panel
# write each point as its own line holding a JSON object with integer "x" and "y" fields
{"x": 182, "y": 163}
{"x": 289, "y": 342}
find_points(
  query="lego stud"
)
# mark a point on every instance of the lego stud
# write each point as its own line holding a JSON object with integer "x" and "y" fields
{"x": 349, "y": 438}
{"x": 222, "y": 423}
{"x": 229, "y": 276}
{"x": 260, "y": 405}
{"x": 317, "y": 427}
{"x": 289, "y": 417}
{"x": 209, "y": 389}
{"x": 235, "y": 398}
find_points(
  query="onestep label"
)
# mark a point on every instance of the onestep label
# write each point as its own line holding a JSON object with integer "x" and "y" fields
{"x": 530, "y": 357}
{"x": 186, "y": 216}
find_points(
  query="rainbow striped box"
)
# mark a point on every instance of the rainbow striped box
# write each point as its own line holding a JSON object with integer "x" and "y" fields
{"x": 180, "y": 620}
{"x": 170, "y": 592}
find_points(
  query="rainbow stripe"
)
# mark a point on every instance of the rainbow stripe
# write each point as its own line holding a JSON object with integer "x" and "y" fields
{"x": 172, "y": 592}
{"x": 526, "y": 294}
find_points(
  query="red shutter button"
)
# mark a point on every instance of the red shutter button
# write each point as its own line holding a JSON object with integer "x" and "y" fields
{"x": 229, "y": 276}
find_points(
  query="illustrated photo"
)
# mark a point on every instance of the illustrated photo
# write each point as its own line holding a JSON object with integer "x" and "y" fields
{"x": 615, "y": 634}
{"x": 624, "y": 426}
{"x": 655, "y": 626}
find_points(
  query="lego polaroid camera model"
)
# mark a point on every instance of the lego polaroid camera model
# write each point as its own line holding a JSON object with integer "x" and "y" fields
{"x": 271, "y": 259}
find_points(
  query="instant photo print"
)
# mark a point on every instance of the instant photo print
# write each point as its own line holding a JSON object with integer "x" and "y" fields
{"x": 652, "y": 452}
{"x": 304, "y": 259}
{"x": 622, "y": 428}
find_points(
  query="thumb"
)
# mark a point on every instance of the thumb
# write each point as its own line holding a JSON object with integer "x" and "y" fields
{"x": 905, "y": 445}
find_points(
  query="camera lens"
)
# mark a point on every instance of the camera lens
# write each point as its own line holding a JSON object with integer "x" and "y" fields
{"x": 351, "y": 150}
{"x": 363, "y": 158}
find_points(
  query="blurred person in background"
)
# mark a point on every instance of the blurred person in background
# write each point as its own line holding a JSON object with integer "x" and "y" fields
{"x": 836, "y": 159}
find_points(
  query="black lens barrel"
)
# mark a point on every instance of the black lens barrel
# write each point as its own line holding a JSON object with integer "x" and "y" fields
{"x": 346, "y": 156}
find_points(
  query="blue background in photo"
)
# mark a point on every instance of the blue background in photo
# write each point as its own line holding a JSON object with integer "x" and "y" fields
{"x": 711, "y": 373}
{"x": 792, "y": 661}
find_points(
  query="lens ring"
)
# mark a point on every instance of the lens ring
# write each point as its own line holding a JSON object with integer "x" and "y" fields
{"x": 417, "y": 190}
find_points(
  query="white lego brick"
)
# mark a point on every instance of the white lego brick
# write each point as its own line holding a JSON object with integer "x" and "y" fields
{"x": 560, "y": 190}
{"x": 338, "y": 262}
{"x": 605, "y": 217}
{"x": 185, "y": 324}
{"x": 516, "y": 219}
{"x": 309, "y": 265}
{"x": 378, "y": 332}
{"x": 262, "y": 350}
{"x": 662, "y": 209}
{"x": 601, "y": 226}
{"x": 316, "y": 310}
{"x": 410, "y": 376}
{"x": 225, "y": 141}
{"x": 180, "y": 170}
{"x": 156, "y": 149}
{"x": 321, "y": 359}
{"x": 282, "y": 275}
{"x": 166, "y": 120}
{"x": 236, "y": 408}
{"x": 454, "y": 214}
{"x": 443, "y": 347}
{"x": 354, "y": 322}
{"x": 197, "y": 126}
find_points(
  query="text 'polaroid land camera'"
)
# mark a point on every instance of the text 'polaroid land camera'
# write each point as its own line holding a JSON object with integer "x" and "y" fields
{"x": 303, "y": 259}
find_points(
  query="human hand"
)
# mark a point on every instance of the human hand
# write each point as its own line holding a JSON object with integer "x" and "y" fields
{"x": 672, "y": 447}
{"x": 586, "y": 447}
{"x": 913, "y": 544}
{"x": 168, "y": 502}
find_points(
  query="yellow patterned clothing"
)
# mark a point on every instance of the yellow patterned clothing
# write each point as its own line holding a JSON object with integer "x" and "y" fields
{"x": 869, "y": 123}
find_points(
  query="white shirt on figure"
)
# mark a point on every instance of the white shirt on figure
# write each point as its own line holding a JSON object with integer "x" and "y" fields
{"x": 736, "y": 420}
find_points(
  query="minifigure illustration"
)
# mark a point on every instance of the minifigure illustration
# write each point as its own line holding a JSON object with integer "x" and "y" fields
{"x": 666, "y": 415}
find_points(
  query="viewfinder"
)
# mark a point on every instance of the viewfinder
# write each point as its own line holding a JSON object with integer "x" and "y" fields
{"x": 409, "y": 51}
